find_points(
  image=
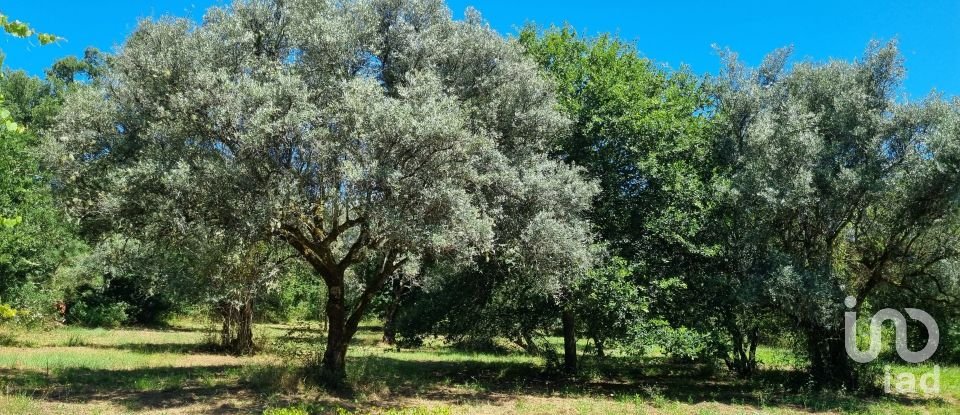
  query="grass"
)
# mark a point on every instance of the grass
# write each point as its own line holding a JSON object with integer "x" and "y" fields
{"x": 84, "y": 371}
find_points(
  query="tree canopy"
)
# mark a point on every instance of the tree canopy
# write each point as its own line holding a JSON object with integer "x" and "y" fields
{"x": 832, "y": 188}
{"x": 357, "y": 132}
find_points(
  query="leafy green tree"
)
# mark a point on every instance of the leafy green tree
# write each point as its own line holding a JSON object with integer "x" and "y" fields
{"x": 17, "y": 29}
{"x": 237, "y": 281}
{"x": 72, "y": 69}
{"x": 34, "y": 102}
{"x": 506, "y": 301}
{"x": 33, "y": 238}
{"x": 365, "y": 134}
{"x": 636, "y": 129}
{"x": 28, "y": 250}
{"x": 29, "y": 99}
{"x": 611, "y": 302}
{"x": 643, "y": 134}
{"x": 297, "y": 297}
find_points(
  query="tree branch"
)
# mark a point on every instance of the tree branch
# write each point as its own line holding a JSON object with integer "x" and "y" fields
{"x": 390, "y": 265}
{"x": 321, "y": 261}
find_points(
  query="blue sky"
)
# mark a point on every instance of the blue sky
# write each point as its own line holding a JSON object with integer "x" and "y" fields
{"x": 672, "y": 33}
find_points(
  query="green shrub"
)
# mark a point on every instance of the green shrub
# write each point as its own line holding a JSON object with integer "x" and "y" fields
{"x": 677, "y": 343}
{"x": 7, "y": 313}
{"x": 100, "y": 315}
{"x": 144, "y": 305}
{"x": 686, "y": 344}
{"x": 35, "y": 306}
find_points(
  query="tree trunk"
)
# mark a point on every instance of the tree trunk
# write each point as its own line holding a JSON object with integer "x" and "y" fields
{"x": 829, "y": 364}
{"x": 390, "y": 326}
{"x": 341, "y": 323}
{"x": 223, "y": 309}
{"x": 390, "y": 315}
{"x": 236, "y": 334}
{"x": 601, "y": 350}
{"x": 244, "y": 340}
{"x": 334, "y": 357}
{"x": 528, "y": 343}
{"x": 743, "y": 361}
{"x": 569, "y": 342}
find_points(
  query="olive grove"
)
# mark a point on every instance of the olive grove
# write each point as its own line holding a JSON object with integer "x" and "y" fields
{"x": 335, "y": 162}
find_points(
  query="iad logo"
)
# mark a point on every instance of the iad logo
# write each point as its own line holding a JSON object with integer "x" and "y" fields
{"x": 929, "y": 383}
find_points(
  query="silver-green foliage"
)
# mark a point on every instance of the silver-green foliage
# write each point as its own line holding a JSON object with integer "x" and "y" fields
{"x": 834, "y": 188}
{"x": 355, "y": 131}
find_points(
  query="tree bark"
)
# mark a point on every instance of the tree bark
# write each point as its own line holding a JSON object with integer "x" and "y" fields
{"x": 743, "y": 361}
{"x": 829, "y": 364}
{"x": 236, "y": 335}
{"x": 342, "y": 323}
{"x": 601, "y": 350}
{"x": 243, "y": 343}
{"x": 390, "y": 314}
{"x": 390, "y": 326}
{"x": 569, "y": 341}
{"x": 224, "y": 309}
{"x": 334, "y": 356}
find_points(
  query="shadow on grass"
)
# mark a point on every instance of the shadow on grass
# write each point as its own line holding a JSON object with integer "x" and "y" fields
{"x": 649, "y": 380}
{"x": 161, "y": 348}
{"x": 451, "y": 378}
{"x": 180, "y": 329}
{"x": 161, "y": 388}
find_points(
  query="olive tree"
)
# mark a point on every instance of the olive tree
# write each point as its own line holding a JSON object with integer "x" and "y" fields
{"x": 839, "y": 188}
{"x": 364, "y": 134}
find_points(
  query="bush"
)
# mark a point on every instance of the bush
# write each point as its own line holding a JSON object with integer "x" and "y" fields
{"x": 473, "y": 344}
{"x": 299, "y": 298}
{"x": 678, "y": 343}
{"x": 951, "y": 345}
{"x": 115, "y": 301}
{"x": 686, "y": 344}
{"x": 7, "y": 313}
{"x": 144, "y": 305}
{"x": 34, "y": 306}
{"x": 100, "y": 315}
